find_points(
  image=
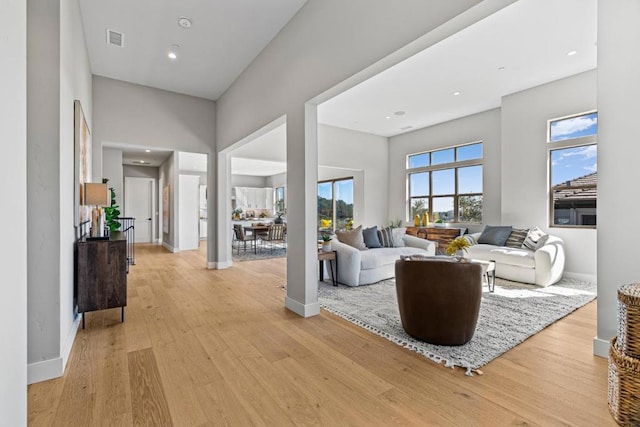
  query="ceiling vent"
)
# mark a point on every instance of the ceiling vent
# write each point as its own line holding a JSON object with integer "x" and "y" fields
{"x": 115, "y": 38}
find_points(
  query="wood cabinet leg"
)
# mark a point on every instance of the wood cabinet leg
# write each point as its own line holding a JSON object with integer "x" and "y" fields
{"x": 122, "y": 315}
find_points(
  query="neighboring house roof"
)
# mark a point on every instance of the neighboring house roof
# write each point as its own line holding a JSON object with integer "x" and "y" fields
{"x": 564, "y": 192}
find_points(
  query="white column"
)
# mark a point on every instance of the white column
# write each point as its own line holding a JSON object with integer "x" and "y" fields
{"x": 302, "y": 178}
{"x": 618, "y": 154}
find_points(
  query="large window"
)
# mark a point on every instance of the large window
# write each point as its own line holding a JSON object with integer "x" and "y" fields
{"x": 573, "y": 160}
{"x": 447, "y": 184}
{"x": 335, "y": 204}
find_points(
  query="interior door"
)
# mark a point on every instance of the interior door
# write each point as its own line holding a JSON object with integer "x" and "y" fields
{"x": 138, "y": 203}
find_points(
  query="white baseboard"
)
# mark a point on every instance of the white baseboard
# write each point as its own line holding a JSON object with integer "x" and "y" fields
{"x": 601, "y": 347}
{"x": 304, "y": 310}
{"x": 581, "y": 276}
{"x": 53, "y": 368}
{"x": 170, "y": 248}
{"x": 45, "y": 370}
{"x": 219, "y": 265}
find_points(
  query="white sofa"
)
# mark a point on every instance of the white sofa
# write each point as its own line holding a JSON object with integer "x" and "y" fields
{"x": 368, "y": 266}
{"x": 542, "y": 267}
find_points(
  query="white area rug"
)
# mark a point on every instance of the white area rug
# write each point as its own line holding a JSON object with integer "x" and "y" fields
{"x": 262, "y": 253}
{"x": 507, "y": 317}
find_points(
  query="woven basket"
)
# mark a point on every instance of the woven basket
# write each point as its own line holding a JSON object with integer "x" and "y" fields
{"x": 624, "y": 387}
{"x": 629, "y": 320}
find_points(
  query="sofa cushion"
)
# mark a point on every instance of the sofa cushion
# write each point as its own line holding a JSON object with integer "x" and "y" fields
{"x": 495, "y": 235}
{"x": 385, "y": 236}
{"x": 370, "y": 236}
{"x": 352, "y": 238}
{"x": 502, "y": 255}
{"x": 375, "y": 258}
{"x": 396, "y": 236}
{"x": 535, "y": 239}
{"x": 516, "y": 238}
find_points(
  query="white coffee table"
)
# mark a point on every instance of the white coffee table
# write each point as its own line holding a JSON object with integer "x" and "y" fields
{"x": 489, "y": 271}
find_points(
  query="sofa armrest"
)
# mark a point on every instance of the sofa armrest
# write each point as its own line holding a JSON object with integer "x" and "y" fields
{"x": 549, "y": 259}
{"x": 418, "y": 242}
{"x": 349, "y": 263}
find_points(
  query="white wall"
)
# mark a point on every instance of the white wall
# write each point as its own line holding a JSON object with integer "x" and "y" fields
{"x": 137, "y": 115}
{"x": 618, "y": 153}
{"x": 58, "y": 72}
{"x": 168, "y": 176}
{"x": 348, "y": 149}
{"x": 248, "y": 181}
{"x": 112, "y": 169}
{"x": 13, "y": 262}
{"x": 316, "y": 51}
{"x": 483, "y": 127}
{"x": 525, "y": 176}
{"x": 188, "y": 209}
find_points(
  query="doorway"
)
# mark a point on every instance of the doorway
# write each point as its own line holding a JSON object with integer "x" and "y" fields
{"x": 139, "y": 202}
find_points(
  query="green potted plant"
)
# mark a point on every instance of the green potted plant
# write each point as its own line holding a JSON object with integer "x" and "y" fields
{"x": 112, "y": 212}
{"x": 326, "y": 242}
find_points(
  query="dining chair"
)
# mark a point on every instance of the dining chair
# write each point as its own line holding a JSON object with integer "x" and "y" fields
{"x": 240, "y": 237}
{"x": 275, "y": 236}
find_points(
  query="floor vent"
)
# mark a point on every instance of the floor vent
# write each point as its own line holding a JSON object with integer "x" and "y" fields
{"x": 115, "y": 38}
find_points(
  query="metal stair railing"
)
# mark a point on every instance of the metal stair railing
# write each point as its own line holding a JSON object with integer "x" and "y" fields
{"x": 128, "y": 228}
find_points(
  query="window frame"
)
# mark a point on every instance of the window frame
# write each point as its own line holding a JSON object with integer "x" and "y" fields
{"x": 581, "y": 141}
{"x": 333, "y": 198}
{"x": 455, "y": 165}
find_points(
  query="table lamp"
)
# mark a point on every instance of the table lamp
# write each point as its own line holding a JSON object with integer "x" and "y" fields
{"x": 97, "y": 195}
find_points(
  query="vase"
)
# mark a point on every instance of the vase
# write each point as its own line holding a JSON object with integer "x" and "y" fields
{"x": 326, "y": 246}
{"x": 425, "y": 219}
{"x": 416, "y": 221}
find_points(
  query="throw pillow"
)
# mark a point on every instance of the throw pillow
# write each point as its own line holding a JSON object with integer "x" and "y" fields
{"x": 370, "y": 236}
{"x": 386, "y": 238}
{"x": 535, "y": 238}
{"x": 396, "y": 236}
{"x": 495, "y": 235}
{"x": 352, "y": 238}
{"x": 516, "y": 238}
{"x": 469, "y": 238}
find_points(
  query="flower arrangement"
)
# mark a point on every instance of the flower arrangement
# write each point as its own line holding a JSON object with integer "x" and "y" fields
{"x": 457, "y": 244}
{"x": 236, "y": 213}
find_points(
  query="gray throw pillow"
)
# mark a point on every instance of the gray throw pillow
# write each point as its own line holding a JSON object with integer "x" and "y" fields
{"x": 495, "y": 235}
{"x": 370, "y": 236}
{"x": 352, "y": 238}
{"x": 535, "y": 239}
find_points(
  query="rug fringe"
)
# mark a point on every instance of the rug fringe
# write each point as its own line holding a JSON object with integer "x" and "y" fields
{"x": 447, "y": 363}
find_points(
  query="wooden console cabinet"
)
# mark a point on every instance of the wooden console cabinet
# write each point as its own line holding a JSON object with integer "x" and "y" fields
{"x": 442, "y": 235}
{"x": 101, "y": 272}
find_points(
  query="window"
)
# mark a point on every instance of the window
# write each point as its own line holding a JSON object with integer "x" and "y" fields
{"x": 573, "y": 158}
{"x": 335, "y": 204}
{"x": 279, "y": 199}
{"x": 446, "y": 184}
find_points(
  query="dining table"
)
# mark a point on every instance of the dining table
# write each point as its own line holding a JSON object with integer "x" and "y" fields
{"x": 255, "y": 229}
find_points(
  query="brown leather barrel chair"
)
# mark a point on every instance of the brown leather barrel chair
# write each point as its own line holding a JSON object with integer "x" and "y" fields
{"x": 439, "y": 300}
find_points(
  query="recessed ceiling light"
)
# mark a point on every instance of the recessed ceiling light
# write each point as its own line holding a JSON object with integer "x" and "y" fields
{"x": 400, "y": 113}
{"x": 456, "y": 93}
{"x": 147, "y": 151}
{"x": 184, "y": 22}
{"x": 388, "y": 117}
{"x": 573, "y": 52}
{"x": 173, "y": 52}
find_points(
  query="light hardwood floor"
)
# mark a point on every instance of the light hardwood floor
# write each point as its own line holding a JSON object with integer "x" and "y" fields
{"x": 217, "y": 347}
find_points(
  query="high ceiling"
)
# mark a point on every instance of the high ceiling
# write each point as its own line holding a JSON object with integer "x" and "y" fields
{"x": 523, "y": 45}
{"x": 224, "y": 37}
